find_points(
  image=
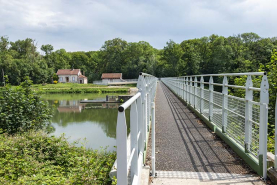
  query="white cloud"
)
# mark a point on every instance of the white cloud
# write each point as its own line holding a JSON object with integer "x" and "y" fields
{"x": 85, "y": 25}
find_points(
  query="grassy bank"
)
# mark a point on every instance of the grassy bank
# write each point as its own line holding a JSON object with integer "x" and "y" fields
{"x": 77, "y": 88}
{"x": 36, "y": 158}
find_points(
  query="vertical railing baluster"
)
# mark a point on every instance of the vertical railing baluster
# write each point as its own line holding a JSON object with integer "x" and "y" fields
{"x": 201, "y": 94}
{"x": 224, "y": 103}
{"x": 195, "y": 92}
{"x": 264, "y": 100}
{"x": 121, "y": 149}
{"x": 134, "y": 139}
{"x": 187, "y": 90}
{"x": 191, "y": 92}
{"x": 248, "y": 114}
{"x": 140, "y": 124}
{"x": 184, "y": 92}
{"x": 153, "y": 140}
{"x": 211, "y": 88}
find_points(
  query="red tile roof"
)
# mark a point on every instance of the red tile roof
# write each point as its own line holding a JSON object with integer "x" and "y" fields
{"x": 68, "y": 71}
{"x": 82, "y": 76}
{"x": 111, "y": 76}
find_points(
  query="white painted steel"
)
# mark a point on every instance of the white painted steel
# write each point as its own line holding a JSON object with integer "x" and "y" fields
{"x": 153, "y": 139}
{"x": 140, "y": 116}
{"x": 242, "y": 119}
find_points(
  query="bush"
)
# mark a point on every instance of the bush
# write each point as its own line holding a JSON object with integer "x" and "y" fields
{"x": 55, "y": 81}
{"x": 21, "y": 109}
{"x": 35, "y": 158}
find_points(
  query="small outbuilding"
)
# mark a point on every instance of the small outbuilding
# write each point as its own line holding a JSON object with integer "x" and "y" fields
{"x": 111, "y": 77}
{"x": 71, "y": 76}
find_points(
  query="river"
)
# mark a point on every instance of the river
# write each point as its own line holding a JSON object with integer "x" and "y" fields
{"x": 96, "y": 123}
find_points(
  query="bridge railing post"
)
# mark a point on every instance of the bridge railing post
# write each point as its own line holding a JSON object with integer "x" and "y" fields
{"x": 248, "y": 114}
{"x": 183, "y": 86}
{"x": 201, "y": 94}
{"x": 264, "y": 100}
{"x": 224, "y": 103}
{"x": 153, "y": 140}
{"x": 211, "y": 89}
{"x": 191, "y": 93}
{"x": 195, "y": 93}
{"x": 134, "y": 139}
{"x": 187, "y": 89}
{"x": 121, "y": 137}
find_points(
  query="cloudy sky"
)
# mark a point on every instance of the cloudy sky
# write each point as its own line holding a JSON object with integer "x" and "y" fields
{"x": 85, "y": 25}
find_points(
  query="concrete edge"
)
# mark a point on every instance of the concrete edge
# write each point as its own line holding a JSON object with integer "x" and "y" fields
{"x": 144, "y": 178}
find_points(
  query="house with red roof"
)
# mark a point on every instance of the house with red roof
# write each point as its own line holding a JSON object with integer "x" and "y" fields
{"x": 71, "y": 76}
{"x": 111, "y": 77}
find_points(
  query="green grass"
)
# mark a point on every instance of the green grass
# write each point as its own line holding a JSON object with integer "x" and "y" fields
{"x": 77, "y": 88}
{"x": 37, "y": 158}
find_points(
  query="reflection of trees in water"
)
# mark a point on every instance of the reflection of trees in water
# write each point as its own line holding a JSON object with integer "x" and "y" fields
{"x": 105, "y": 118}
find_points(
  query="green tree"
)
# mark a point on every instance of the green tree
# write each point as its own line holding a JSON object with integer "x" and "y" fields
{"x": 22, "y": 110}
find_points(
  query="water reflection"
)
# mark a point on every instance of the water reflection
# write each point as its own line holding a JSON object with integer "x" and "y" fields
{"x": 95, "y": 122}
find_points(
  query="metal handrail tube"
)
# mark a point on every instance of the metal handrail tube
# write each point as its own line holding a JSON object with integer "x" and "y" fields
{"x": 231, "y": 74}
{"x": 127, "y": 104}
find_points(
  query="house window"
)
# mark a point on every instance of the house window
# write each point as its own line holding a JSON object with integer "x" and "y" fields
{"x": 73, "y": 79}
{"x": 61, "y": 79}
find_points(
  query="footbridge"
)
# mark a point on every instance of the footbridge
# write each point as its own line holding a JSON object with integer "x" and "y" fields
{"x": 202, "y": 129}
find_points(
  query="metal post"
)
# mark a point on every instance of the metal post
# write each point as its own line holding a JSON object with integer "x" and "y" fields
{"x": 264, "y": 99}
{"x": 224, "y": 104}
{"x": 248, "y": 114}
{"x": 134, "y": 138}
{"x": 201, "y": 95}
{"x": 121, "y": 149}
{"x": 191, "y": 93}
{"x": 211, "y": 88}
{"x": 184, "y": 92}
{"x": 195, "y": 92}
{"x": 153, "y": 140}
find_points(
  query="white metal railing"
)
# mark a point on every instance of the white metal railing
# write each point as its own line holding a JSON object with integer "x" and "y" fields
{"x": 140, "y": 117}
{"x": 241, "y": 119}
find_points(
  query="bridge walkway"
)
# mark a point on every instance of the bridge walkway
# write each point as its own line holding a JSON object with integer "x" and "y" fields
{"x": 187, "y": 149}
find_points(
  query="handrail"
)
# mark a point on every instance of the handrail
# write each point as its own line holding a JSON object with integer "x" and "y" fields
{"x": 140, "y": 119}
{"x": 241, "y": 119}
{"x": 230, "y": 74}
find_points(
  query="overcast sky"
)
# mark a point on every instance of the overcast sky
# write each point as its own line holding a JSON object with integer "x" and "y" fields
{"x": 85, "y": 25}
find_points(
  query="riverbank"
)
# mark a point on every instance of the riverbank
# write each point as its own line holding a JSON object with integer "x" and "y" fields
{"x": 37, "y": 158}
{"x": 77, "y": 88}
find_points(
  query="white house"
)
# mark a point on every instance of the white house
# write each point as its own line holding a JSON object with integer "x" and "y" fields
{"x": 71, "y": 76}
{"x": 111, "y": 77}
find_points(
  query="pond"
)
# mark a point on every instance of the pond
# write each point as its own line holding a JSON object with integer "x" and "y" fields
{"x": 94, "y": 122}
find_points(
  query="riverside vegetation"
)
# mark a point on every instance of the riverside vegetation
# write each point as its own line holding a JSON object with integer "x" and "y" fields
{"x": 77, "y": 88}
{"x": 28, "y": 155}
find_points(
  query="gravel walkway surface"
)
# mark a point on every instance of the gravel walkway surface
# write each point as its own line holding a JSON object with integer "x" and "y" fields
{"x": 185, "y": 143}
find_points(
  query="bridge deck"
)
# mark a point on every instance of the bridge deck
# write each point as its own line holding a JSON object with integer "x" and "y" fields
{"x": 184, "y": 143}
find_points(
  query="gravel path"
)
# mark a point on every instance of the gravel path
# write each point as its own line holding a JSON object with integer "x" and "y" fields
{"x": 184, "y": 143}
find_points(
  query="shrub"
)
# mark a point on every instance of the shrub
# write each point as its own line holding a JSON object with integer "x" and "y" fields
{"x": 21, "y": 109}
{"x": 35, "y": 158}
{"x": 55, "y": 81}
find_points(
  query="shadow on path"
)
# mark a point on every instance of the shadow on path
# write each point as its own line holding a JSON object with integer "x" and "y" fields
{"x": 185, "y": 143}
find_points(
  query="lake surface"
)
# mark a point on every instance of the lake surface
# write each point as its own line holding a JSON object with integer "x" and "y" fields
{"x": 94, "y": 122}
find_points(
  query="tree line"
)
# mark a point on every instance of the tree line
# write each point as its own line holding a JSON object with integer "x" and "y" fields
{"x": 214, "y": 54}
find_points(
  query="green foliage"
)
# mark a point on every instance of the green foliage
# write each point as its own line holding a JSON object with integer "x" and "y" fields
{"x": 36, "y": 158}
{"x": 21, "y": 109}
{"x": 77, "y": 88}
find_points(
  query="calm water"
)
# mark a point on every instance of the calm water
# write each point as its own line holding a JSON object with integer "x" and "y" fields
{"x": 94, "y": 122}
